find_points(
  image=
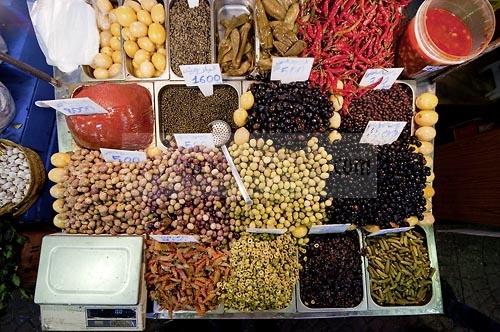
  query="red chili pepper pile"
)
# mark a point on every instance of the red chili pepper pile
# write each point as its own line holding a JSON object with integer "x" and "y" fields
{"x": 346, "y": 37}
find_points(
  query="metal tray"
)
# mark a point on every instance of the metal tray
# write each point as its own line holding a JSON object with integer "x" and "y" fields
{"x": 157, "y": 88}
{"x": 173, "y": 76}
{"x": 162, "y": 313}
{"x": 224, "y": 9}
{"x": 291, "y": 308}
{"x": 363, "y": 305}
{"x": 435, "y": 302}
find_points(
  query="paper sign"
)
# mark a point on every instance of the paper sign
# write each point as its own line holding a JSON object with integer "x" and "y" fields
{"x": 190, "y": 140}
{"x": 193, "y": 3}
{"x": 289, "y": 70}
{"x": 387, "y": 75}
{"x": 202, "y": 76}
{"x": 433, "y": 68}
{"x": 180, "y": 238}
{"x": 382, "y": 132}
{"x": 123, "y": 156}
{"x": 390, "y": 231}
{"x": 327, "y": 229}
{"x": 73, "y": 106}
{"x": 266, "y": 230}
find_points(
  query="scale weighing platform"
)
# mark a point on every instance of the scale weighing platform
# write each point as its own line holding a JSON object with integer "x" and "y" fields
{"x": 91, "y": 283}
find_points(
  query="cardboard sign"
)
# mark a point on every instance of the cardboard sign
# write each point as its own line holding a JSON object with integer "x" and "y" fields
{"x": 387, "y": 76}
{"x": 190, "y": 140}
{"x": 289, "y": 70}
{"x": 123, "y": 156}
{"x": 382, "y": 132}
{"x": 202, "y": 76}
{"x": 73, "y": 106}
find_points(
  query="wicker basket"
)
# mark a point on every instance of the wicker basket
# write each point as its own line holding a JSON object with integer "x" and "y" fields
{"x": 36, "y": 181}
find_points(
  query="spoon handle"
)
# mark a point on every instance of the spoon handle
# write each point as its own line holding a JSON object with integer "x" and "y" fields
{"x": 237, "y": 176}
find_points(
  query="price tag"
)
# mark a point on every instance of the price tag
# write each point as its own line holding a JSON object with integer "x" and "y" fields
{"x": 289, "y": 70}
{"x": 180, "y": 238}
{"x": 327, "y": 229}
{"x": 190, "y": 140}
{"x": 73, "y": 106}
{"x": 202, "y": 76}
{"x": 387, "y": 75}
{"x": 193, "y": 3}
{"x": 433, "y": 68}
{"x": 266, "y": 230}
{"x": 390, "y": 231}
{"x": 123, "y": 156}
{"x": 382, "y": 132}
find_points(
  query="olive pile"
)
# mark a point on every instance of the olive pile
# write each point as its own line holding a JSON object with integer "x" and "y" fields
{"x": 288, "y": 108}
{"x": 331, "y": 276}
{"x": 394, "y": 104}
{"x": 401, "y": 178}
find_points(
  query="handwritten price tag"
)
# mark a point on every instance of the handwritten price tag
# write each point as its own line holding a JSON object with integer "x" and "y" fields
{"x": 175, "y": 238}
{"x": 390, "y": 231}
{"x": 328, "y": 229}
{"x": 382, "y": 132}
{"x": 202, "y": 76}
{"x": 123, "y": 156}
{"x": 387, "y": 75}
{"x": 73, "y": 106}
{"x": 289, "y": 70}
{"x": 193, "y": 3}
{"x": 190, "y": 140}
{"x": 278, "y": 231}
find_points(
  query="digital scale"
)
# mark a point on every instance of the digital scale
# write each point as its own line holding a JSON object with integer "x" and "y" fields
{"x": 89, "y": 283}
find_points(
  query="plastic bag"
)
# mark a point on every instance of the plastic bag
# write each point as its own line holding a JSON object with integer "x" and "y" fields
{"x": 128, "y": 125}
{"x": 3, "y": 46}
{"x": 7, "y": 107}
{"x": 66, "y": 31}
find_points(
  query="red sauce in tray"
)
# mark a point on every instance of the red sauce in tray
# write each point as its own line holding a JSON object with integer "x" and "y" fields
{"x": 448, "y": 32}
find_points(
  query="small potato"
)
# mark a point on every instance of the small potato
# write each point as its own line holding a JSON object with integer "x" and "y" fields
{"x": 104, "y": 37}
{"x": 430, "y": 178}
{"x": 240, "y": 117}
{"x": 241, "y": 136}
{"x": 334, "y": 136}
{"x": 159, "y": 61}
{"x": 426, "y": 148}
{"x": 157, "y": 73}
{"x": 144, "y": 17}
{"x": 161, "y": 50}
{"x": 130, "y": 48}
{"x": 101, "y": 73}
{"x": 107, "y": 50}
{"x": 112, "y": 16}
{"x": 117, "y": 57}
{"x": 60, "y": 220}
{"x": 426, "y": 134}
{"x": 146, "y": 44}
{"x": 247, "y": 100}
{"x": 57, "y": 191}
{"x": 115, "y": 29}
{"x": 429, "y": 192}
{"x": 104, "y": 6}
{"x": 126, "y": 35}
{"x": 335, "y": 120}
{"x": 115, "y": 43}
{"x": 138, "y": 73}
{"x": 60, "y": 159}
{"x": 428, "y": 161}
{"x": 153, "y": 151}
{"x": 147, "y": 4}
{"x": 156, "y": 32}
{"x": 158, "y": 13}
{"x": 337, "y": 102}
{"x": 428, "y": 204}
{"x": 426, "y": 101}
{"x": 138, "y": 29}
{"x": 141, "y": 56}
{"x": 132, "y": 4}
{"x": 135, "y": 65}
{"x": 300, "y": 231}
{"x": 147, "y": 69}
{"x": 102, "y": 61}
{"x": 426, "y": 118}
{"x": 57, "y": 175}
{"x": 58, "y": 205}
{"x": 114, "y": 69}
{"x": 371, "y": 228}
{"x": 125, "y": 15}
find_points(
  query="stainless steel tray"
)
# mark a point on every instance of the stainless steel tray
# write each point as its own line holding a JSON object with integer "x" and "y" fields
{"x": 363, "y": 305}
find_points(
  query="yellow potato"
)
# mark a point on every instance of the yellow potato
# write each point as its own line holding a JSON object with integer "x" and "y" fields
{"x": 60, "y": 220}
{"x": 156, "y": 32}
{"x": 240, "y": 117}
{"x": 427, "y": 101}
{"x": 57, "y": 191}
{"x": 300, "y": 231}
{"x": 137, "y": 73}
{"x": 104, "y": 6}
{"x": 126, "y": 35}
{"x": 371, "y": 228}
{"x": 107, "y": 50}
{"x": 431, "y": 177}
{"x": 426, "y": 148}
{"x": 102, "y": 61}
{"x": 425, "y": 133}
{"x": 101, "y": 73}
{"x": 141, "y": 56}
{"x": 125, "y": 15}
{"x": 115, "y": 69}
{"x": 428, "y": 161}
{"x": 247, "y": 100}
{"x": 159, "y": 61}
{"x": 147, "y": 4}
{"x": 132, "y": 4}
{"x": 104, "y": 38}
{"x": 146, "y": 44}
{"x": 60, "y": 159}
{"x": 153, "y": 151}
{"x": 426, "y": 118}
{"x": 58, "y": 205}
{"x": 115, "y": 29}
{"x": 115, "y": 43}
{"x": 241, "y": 136}
{"x": 147, "y": 69}
{"x": 144, "y": 17}
{"x": 130, "y": 48}
{"x": 429, "y": 192}
{"x": 57, "y": 175}
{"x": 161, "y": 50}
{"x": 158, "y": 13}
{"x": 135, "y": 65}
{"x": 138, "y": 29}
{"x": 117, "y": 57}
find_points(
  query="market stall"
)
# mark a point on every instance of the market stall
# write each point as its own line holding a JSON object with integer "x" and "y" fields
{"x": 266, "y": 152}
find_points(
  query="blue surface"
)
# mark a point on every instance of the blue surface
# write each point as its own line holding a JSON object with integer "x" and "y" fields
{"x": 33, "y": 127}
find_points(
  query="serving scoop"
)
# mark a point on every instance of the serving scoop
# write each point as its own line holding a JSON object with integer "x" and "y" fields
{"x": 221, "y": 132}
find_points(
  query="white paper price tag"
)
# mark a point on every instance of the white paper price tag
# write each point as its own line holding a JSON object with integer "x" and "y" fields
{"x": 190, "y": 140}
{"x": 387, "y": 76}
{"x": 123, "y": 156}
{"x": 289, "y": 70}
{"x": 433, "y": 68}
{"x": 390, "y": 231}
{"x": 202, "y": 76}
{"x": 382, "y": 132}
{"x": 327, "y": 229}
{"x": 193, "y": 3}
{"x": 180, "y": 238}
{"x": 266, "y": 230}
{"x": 73, "y": 106}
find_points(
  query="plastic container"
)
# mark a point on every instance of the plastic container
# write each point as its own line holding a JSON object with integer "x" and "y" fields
{"x": 418, "y": 50}
{"x": 7, "y": 107}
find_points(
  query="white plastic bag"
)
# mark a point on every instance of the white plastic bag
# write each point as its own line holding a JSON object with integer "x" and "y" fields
{"x": 66, "y": 31}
